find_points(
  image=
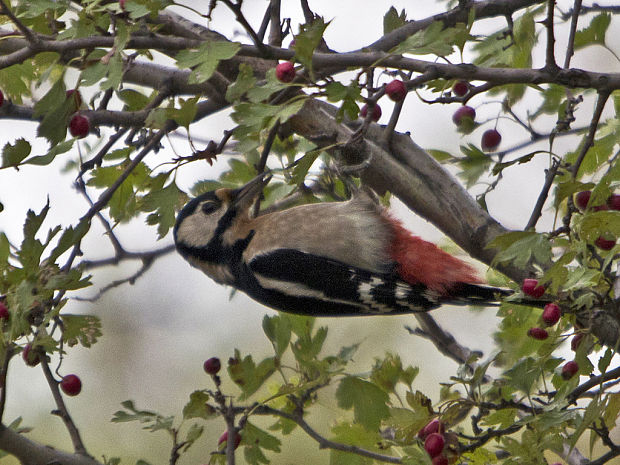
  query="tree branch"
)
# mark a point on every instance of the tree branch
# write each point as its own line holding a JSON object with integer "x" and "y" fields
{"x": 29, "y": 452}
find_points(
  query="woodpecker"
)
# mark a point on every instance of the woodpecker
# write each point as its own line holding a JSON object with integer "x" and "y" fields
{"x": 347, "y": 258}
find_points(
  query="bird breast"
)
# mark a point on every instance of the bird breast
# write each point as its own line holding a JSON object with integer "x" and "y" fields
{"x": 352, "y": 232}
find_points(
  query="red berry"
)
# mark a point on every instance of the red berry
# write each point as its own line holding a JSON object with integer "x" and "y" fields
{"x": 530, "y": 287}
{"x": 433, "y": 426}
{"x": 77, "y": 98}
{"x": 440, "y": 460}
{"x": 224, "y": 438}
{"x": 285, "y": 72}
{"x": 4, "y": 311}
{"x": 71, "y": 385}
{"x": 551, "y": 314}
{"x": 582, "y": 199}
{"x": 30, "y": 357}
{"x": 490, "y": 140}
{"x": 464, "y": 114}
{"x": 212, "y": 366}
{"x": 570, "y": 369}
{"x": 460, "y": 88}
{"x": 605, "y": 244}
{"x": 599, "y": 208}
{"x": 79, "y": 126}
{"x": 538, "y": 333}
{"x": 376, "y": 112}
{"x": 613, "y": 201}
{"x": 434, "y": 444}
{"x": 1, "y": 98}
{"x": 396, "y": 90}
{"x": 122, "y": 4}
{"x": 576, "y": 341}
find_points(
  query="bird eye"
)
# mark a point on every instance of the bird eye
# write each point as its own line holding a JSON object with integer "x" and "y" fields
{"x": 209, "y": 207}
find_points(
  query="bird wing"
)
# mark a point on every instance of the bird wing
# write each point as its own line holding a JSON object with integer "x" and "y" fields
{"x": 298, "y": 282}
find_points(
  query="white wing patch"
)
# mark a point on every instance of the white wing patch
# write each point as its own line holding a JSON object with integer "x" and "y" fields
{"x": 300, "y": 290}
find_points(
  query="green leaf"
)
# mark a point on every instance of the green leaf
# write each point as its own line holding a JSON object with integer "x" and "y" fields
{"x": 387, "y": 373}
{"x": 193, "y": 434}
{"x": 186, "y": 113}
{"x": 69, "y": 238}
{"x": 12, "y": 155}
{"x": 152, "y": 421}
{"x": 595, "y": 32}
{"x": 307, "y": 41}
{"x": 205, "y": 60}
{"x": 249, "y": 376}
{"x": 278, "y": 330}
{"x": 255, "y": 441}
{"x": 4, "y": 248}
{"x": 595, "y": 224}
{"x": 164, "y": 203}
{"x": 368, "y": 401}
{"x": 198, "y": 406}
{"x": 31, "y": 248}
{"x": 337, "y": 92}
{"x": 434, "y": 40}
{"x": 42, "y": 160}
{"x": 355, "y": 435}
{"x": 303, "y": 166}
{"x": 133, "y": 99}
{"x": 244, "y": 82}
{"x": 524, "y": 375}
{"x": 474, "y": 164}
{"x": 392, "y": 20}
{"x": 440, "y": 155}
{"x": 520, "y": 247}
{"x": 83, "y": 329}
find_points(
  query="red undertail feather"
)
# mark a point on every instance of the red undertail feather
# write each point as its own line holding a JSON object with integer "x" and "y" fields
{"x": 420, "y": 261}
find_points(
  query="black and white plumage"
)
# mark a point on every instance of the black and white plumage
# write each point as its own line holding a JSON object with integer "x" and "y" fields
{"x": 325, "y": 259}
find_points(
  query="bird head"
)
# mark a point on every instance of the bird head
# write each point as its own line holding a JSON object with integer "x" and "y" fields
{"x": 202, "y": 222}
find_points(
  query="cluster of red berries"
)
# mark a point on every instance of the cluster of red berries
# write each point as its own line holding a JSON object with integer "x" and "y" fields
{"x": 396, "y": 90}
{"x": 550, "y": 316}
{"x": 582, "y": 200}
{"x": 434, "y": 441}
{"x": 464, "y": 118}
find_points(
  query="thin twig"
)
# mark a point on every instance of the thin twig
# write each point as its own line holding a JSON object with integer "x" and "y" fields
{"x": 146, "y": 265}
{"x": 589, "y": 140}
{"x": 544, "y": 193}
{"x": 236, "y": 9}
{"x": 570, "y": 47}
{"x": 28, "y": 34}
{"x": 262, "y": 30}
{"x": 62, "y": 411}
{"x": 590, "y": 383}
{"x": 262, "y": 162}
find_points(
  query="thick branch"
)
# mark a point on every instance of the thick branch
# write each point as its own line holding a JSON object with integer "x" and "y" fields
{"x": 29, "y": 452}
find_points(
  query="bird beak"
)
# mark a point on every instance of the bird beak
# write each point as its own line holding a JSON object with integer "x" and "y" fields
{"x": 244, "y": 196}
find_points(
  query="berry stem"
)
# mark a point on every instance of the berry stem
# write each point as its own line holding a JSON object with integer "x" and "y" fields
{"x": 62, "y": 411}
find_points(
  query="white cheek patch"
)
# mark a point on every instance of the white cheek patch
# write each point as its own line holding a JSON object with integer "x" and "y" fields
{"x": 197, "y": 229}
